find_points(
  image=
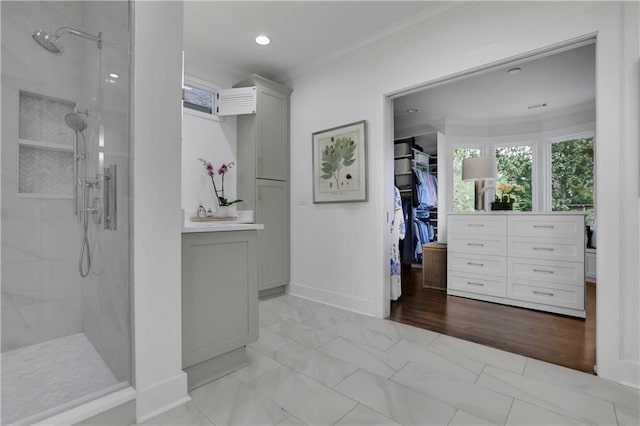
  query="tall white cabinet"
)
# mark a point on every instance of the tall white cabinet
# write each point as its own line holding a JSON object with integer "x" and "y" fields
{"x": 531, "y": 260}
{"x": 263, "y": 179}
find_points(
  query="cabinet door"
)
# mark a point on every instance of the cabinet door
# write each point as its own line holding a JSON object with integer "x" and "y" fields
{"x": 272, "y": 148}
{"x": 219, "y": 293}
{"x": 272, "y": 210}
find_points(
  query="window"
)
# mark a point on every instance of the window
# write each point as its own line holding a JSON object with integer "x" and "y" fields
{"x": 198, "y": 98}
{"x": 572, "y": 176}
{"x": 514, "y": 172}
{"x": 463, "y": 191}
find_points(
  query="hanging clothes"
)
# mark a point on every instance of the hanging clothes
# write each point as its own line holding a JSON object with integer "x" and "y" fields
{"x": 425, "y": 189}
{"x": 408, "y": 245}
{"x": 397, "y": 234}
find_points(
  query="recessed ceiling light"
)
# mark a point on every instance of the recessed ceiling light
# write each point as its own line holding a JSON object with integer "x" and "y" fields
{"x": 512, "y": 71}
{"x": 263, "y": 40}
{"x": 114, "y": 75}
{"x": 412, "y": 110}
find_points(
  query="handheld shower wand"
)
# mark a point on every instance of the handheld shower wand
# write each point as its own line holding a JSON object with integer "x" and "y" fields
{"x": 78, "y": 124}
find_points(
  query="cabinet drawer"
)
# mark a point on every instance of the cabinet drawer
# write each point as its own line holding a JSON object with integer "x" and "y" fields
{"x": 547, "y": 226}
{"x": 489, "y": 245}
{"x": 548, "y": 271}
{"x": 490, "y": 285}
{"x": 545, "y": 249}
{"x": 567, "y": 296}
{"x": 477, "y": 264}
{"x": 477, "y": 225}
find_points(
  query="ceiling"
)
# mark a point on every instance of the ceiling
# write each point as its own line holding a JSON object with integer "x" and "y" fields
{"x": 303, "y": 33}
{"x": 563, "y": 81}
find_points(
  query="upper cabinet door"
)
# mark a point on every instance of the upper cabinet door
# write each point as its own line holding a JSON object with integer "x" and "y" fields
{"x": 272, "y": 150}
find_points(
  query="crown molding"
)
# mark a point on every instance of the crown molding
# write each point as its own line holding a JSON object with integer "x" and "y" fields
{"x": 439, "y": 10}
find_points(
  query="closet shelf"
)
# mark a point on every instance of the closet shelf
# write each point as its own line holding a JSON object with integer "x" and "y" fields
{"x": 399, "y": 157}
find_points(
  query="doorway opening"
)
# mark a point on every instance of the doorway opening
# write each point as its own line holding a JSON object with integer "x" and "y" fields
{"x": 536, "y": 117}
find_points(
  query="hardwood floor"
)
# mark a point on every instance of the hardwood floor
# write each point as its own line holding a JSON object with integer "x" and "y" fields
{"x": 558, "y": 339}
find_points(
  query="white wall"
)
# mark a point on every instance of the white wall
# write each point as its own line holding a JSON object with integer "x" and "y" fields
{"x": 211, "y": 139}
{"x": 159, "y": 379}
{"x": 339, "y": 251}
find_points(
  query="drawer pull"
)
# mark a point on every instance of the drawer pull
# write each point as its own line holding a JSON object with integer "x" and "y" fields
{"x": 475, "y": 244}
{"x": 544, "y": 248}
{"x": 544, "y": 226}
{"x": 544, "y": 293}
{"x": 544, "y": 270}
{"x": 475, "y": 264}
{"x": 475, "y": 224}
{"x": 474, "y": 283}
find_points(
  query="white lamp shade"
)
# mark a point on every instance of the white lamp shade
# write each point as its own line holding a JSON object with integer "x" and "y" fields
{"x": 479, "y": 168}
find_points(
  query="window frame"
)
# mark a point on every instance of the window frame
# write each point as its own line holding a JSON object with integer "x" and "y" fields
{"x": 190, "y": 81}
{"x": 535, "y": 199}
{"x": 541, "y": 192}
{"x": 548, "y": 142}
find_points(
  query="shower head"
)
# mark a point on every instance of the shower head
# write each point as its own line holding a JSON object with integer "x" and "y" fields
{"x": 75, "y": 121}
{"x": 49, "y": 42}
{"x": 52, "y": 43}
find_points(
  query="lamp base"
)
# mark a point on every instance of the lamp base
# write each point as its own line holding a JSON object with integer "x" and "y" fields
{"x": 479, "y": 197}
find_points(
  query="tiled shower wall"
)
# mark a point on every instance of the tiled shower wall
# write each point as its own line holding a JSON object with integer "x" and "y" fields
{"x": 41, "y": 288}
{"x": 43, "y": 295}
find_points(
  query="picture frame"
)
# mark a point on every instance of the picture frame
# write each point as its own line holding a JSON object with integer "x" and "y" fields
{"x": 340, "y": 164}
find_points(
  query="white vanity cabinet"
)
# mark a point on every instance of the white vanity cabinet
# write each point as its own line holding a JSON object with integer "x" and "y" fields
{"x": 219, "y": 302}
{"x": 530, "y": 260}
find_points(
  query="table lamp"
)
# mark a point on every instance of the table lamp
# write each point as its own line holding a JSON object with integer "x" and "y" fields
{"x": 479, "y": 169}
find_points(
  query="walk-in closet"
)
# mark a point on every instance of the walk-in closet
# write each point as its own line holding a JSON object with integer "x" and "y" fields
{"x": 416, "y": 177}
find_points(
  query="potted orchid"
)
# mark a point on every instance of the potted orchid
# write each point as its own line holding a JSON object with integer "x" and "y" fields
{"x": 507, "y": 196}
{"x": 222, "y": 171}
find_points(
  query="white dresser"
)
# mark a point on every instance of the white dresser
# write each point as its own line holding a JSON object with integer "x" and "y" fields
{"x": 531, "y": 260}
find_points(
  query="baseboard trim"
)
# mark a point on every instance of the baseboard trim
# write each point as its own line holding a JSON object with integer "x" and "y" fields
{"x": 90, "y": 409}
{"x": 338, "y": 300}
{"x": 630, "y": 373}
{"x": 162, "y": 397}
{"x": 271, "y": 292}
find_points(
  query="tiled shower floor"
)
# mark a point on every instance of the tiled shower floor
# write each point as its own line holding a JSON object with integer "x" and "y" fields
{"x": 47, "y": 375}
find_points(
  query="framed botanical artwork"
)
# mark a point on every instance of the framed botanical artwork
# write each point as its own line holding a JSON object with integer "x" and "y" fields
{"x": 340, "y": 164}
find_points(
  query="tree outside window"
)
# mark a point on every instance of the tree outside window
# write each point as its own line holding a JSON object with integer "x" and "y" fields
{"x": 572, "y": 176}
{"x": 463, "y": 191}
{"x": 514, "y": 168}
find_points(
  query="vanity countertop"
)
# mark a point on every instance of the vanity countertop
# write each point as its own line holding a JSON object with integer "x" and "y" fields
{"x": 244, "y": 222}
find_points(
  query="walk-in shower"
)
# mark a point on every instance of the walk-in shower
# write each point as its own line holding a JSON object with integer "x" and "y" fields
{"x": 66, "y": 314}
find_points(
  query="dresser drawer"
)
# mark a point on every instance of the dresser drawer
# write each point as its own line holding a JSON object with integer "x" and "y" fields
{"x": 477, "y": 224}
{"x": 547, "y": 226}
{"x": 567, "y": 296}
{"x": 489, "y": 285}
{"x": 542, "y": 248}
{"x": 478, "y": 244}
{"x": 548, "y": 271}
{"x": 477, "y": 264}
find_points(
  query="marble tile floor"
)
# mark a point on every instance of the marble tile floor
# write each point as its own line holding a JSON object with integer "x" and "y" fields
{"x": 318, "y": 365}
{"x": 47, "y": 375}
